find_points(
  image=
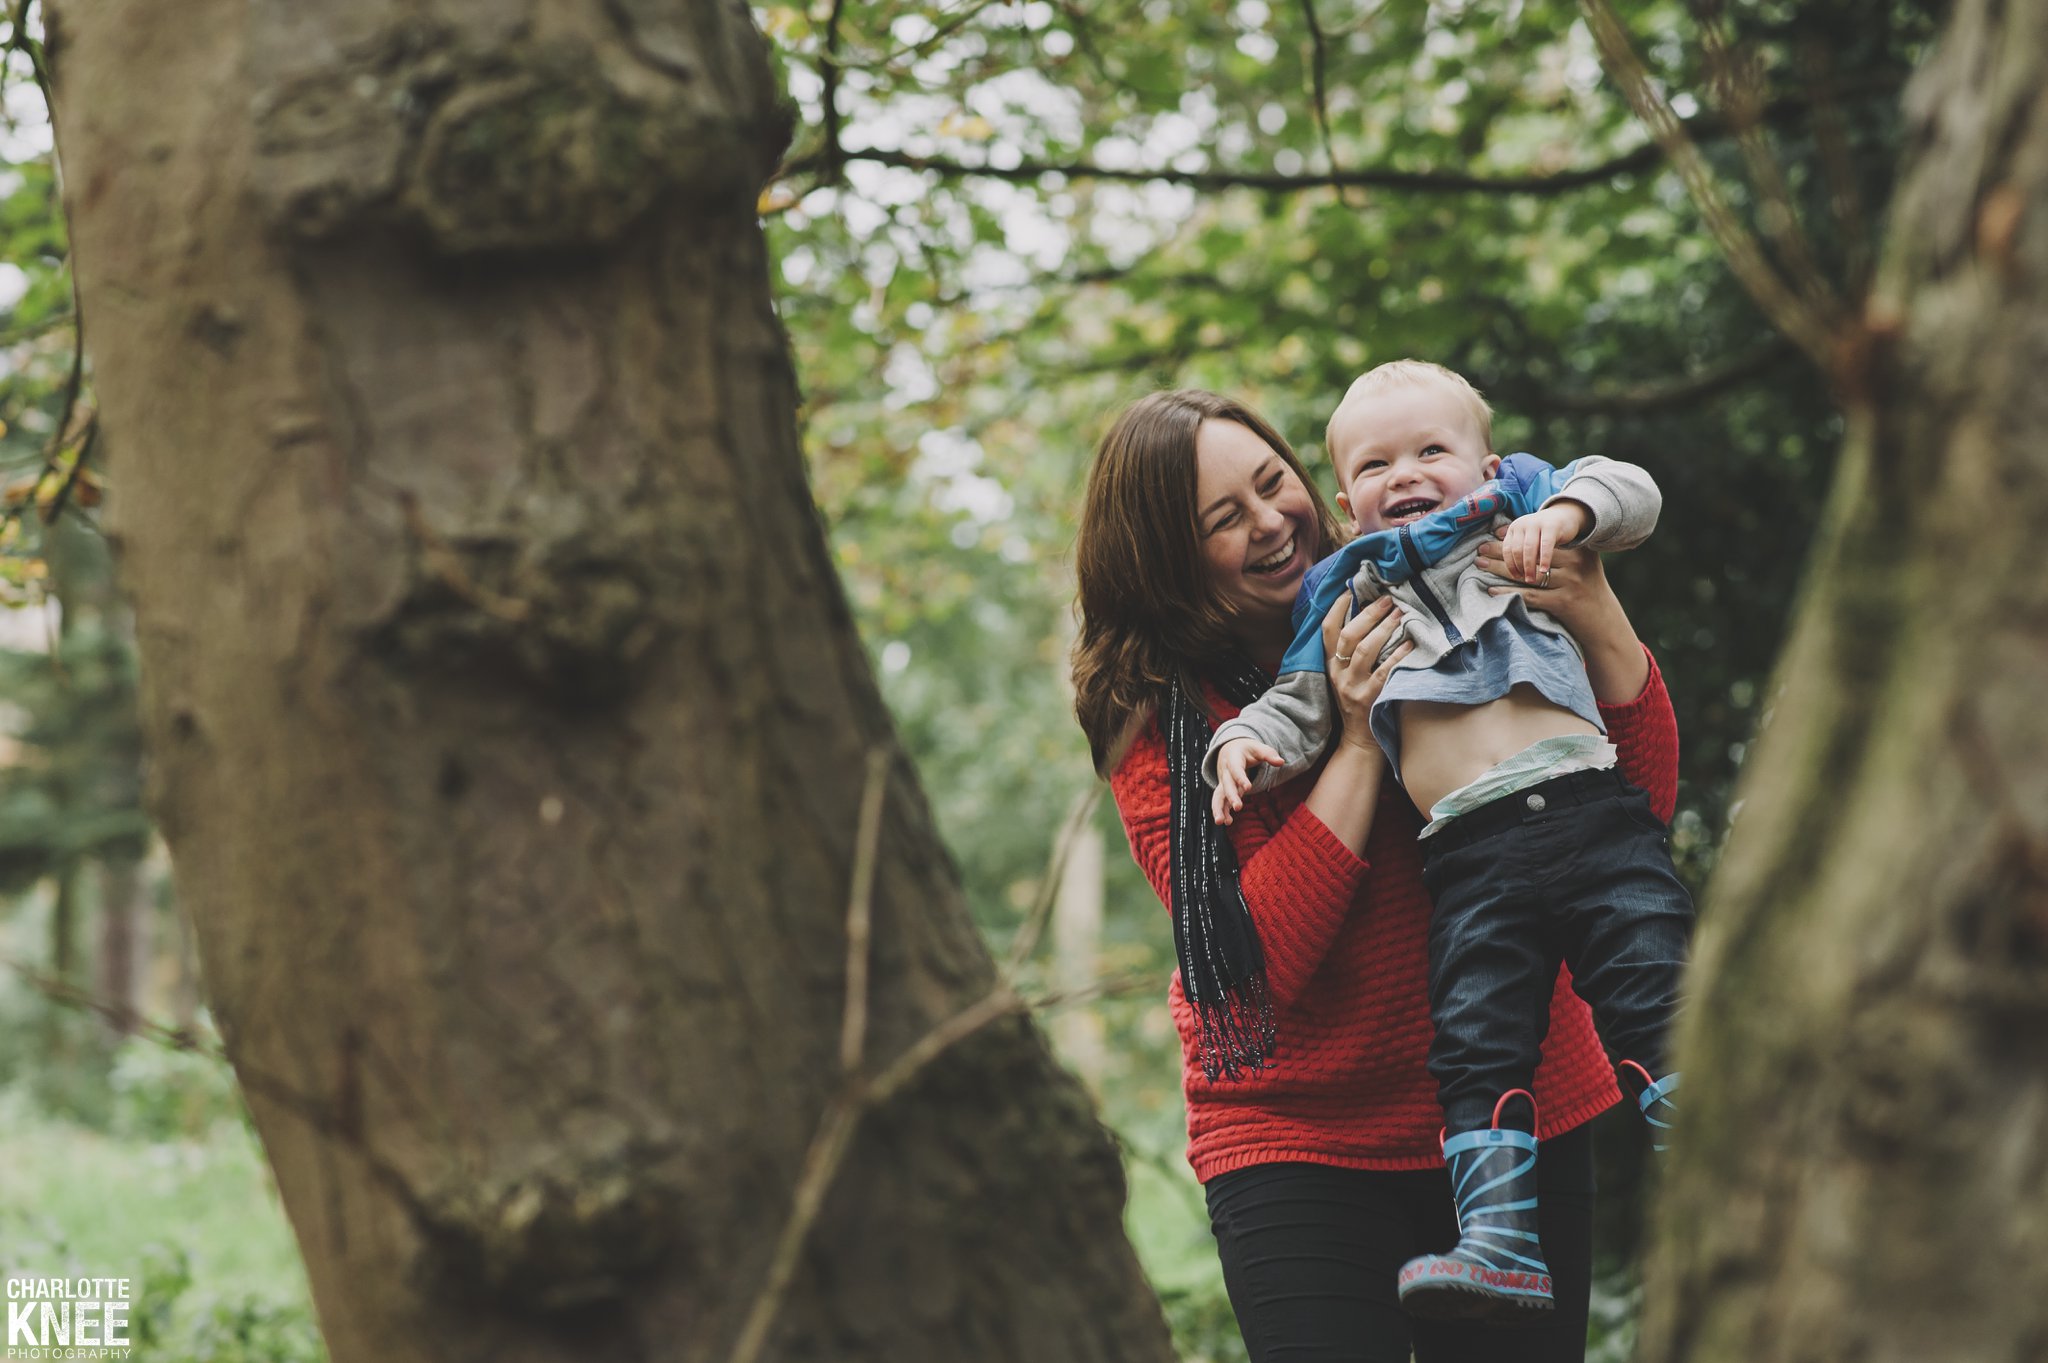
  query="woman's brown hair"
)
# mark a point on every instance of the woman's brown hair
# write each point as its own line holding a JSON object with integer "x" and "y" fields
{"x": 1148, "y": 611}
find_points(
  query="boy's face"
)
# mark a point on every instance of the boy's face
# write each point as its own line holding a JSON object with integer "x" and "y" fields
{"x": 1403, "y": 452}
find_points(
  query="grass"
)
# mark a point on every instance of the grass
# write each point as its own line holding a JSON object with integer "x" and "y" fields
{"x": 189, "y": 1216}
{"x": 167, "y": 1186}
{"x": 102, "y": 1201}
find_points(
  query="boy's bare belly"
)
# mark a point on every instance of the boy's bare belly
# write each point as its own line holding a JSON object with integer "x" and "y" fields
{"x": 1444, "y": 746}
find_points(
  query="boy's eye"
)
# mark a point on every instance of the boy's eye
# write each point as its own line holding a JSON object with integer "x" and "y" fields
{"x": 1372, "y": 465}
{"x": 1432, "y": 449}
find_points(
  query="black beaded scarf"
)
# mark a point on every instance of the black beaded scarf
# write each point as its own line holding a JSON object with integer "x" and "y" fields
{"x": 1222, "y": 967}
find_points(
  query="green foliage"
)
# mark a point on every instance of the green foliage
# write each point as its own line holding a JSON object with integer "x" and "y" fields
{"x": 173, "y": 1319}
{"x": 67, "y": 1064}
{"x": 1168, "y": 1222}
{"x": 74, "y": 792}
{"x": 964, "y": 338}
{"x": 161, "y": 1093}
{"x": 54, "y": 1057}
{"x": 37, "y": 342}
{"x": 1611, "y": 1317}
{"x": 191, "y": 1221}
{"x": 182, "y": 1325}
{"x": 1204, "y": 1326}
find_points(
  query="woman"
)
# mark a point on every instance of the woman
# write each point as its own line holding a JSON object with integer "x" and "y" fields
{"x": 1301, "y": 999}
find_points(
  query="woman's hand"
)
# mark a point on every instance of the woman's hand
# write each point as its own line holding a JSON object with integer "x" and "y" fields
{"x": 1529, "y": 543}
{"x": 1347, "y": 794}
{"x": 1576, "y": 592}
{"x": 1575, "y": 589}
{"x": 1350, "y": 648}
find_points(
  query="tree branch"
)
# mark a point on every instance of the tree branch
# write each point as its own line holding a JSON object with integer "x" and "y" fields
{"x": 317, "y": 1113}
{"x": 940, "y": 32}
{"x": 824, "y": 160}
{"x": 1079, "y": 810}
{"x": 18, "y": 40}
{"x": 54, "y": 447}
{"x": 1737, "y": 76}
{"x": 1318, "y": 62}
{"x": 1795, "y": 315}
{"x": 1831, "y": 138}
{"x": 28, "y": 331}
{"x": 86, "y": 445}
{"x": 1634, "y": 399}
{"x": 1110, "y": 987}
{"x": 860, "y": 911}
{"x": 121, "y": 1016}
{"x": 828, "y": 76}
{"x": 859, "y": 1092}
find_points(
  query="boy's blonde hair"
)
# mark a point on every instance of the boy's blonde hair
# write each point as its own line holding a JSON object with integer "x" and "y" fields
{"x": 1409, "y": 374}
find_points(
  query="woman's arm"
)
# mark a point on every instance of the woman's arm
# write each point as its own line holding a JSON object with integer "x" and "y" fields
{"x": 1346, "y": 795}
{"x": 1625, "y": 678}
{"x": 1645, "y": 733}
{"x": 1299, "y": 880}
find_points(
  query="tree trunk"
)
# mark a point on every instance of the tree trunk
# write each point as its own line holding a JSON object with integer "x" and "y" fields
{"x": 1860, "y": 1169}
{"x": 184, "y": 991}
{"x": 508, "y": 726}
{"x": 1077, "y": 953}
{"x": 64, "y": 923}
{"x": 126, "y": 912}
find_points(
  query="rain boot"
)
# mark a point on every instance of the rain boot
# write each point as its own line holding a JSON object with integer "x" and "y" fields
{"x": 1653, "y": 1098}
{"x": 1497, "y": 1271}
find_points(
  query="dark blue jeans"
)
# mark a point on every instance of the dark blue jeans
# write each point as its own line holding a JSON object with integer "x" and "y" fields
{"x": 1575, "y": 870}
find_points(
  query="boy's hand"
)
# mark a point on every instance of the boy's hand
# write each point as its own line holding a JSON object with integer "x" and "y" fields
{"x": 1532, "y": 540}
{"x": 1233, "y": 775}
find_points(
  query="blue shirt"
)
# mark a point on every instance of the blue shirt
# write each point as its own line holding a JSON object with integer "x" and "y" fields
{"x": 1507, "y": 650}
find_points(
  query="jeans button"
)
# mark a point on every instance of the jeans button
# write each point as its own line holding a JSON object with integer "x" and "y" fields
{"x": 1536, "y": 803}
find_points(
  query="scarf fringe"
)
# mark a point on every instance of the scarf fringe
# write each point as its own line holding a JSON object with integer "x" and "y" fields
{"x": 1222, "y": 966}
{"x": 1237, "y": 1034}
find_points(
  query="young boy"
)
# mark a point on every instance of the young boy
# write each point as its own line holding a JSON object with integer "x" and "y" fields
{"x": 1537, "y": 851}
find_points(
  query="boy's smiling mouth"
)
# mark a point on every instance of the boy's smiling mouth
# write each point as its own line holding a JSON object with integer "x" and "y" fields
{"x": 1408, "y": 509}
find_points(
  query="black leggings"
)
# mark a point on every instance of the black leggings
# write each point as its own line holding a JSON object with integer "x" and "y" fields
{"x": 1310, "y": 1255}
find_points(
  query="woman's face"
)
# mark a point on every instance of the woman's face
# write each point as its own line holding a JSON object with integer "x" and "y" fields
{"x": 1257, "y": 527}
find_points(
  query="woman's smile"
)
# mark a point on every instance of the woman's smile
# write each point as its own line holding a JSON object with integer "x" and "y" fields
{"x": 1257, "y": 527}
{"x": 1281, "y": 563}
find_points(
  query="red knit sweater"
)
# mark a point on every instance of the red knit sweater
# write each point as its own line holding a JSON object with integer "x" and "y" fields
{"x": 1346, "y": 961}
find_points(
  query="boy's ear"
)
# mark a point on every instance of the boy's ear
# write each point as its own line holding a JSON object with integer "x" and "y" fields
{"x": 1350, "y": 521}
{"x": 1490, "y": 465}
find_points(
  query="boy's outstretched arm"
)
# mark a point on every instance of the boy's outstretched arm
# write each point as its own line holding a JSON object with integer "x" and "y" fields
{"x": 1620, "y": 500}
{"x": 1234, "y": 763}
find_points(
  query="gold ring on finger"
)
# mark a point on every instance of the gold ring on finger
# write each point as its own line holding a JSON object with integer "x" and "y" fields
{"x": 1343, "y": 657}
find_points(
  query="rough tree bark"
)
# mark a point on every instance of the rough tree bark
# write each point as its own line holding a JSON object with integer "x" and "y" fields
{"x": 1860, "y": 1170}
{"x": 508, "y": 724}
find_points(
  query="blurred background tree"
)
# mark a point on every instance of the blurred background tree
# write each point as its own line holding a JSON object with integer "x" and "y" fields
{"x": 998, "y": 224}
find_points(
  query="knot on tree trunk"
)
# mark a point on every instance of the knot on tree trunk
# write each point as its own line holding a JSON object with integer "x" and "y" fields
{"x": 572, "y": 590}
{"x": 524, "y": 149}
{"x": 574, "y": 1234}
{"x": 575, "y": 626}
